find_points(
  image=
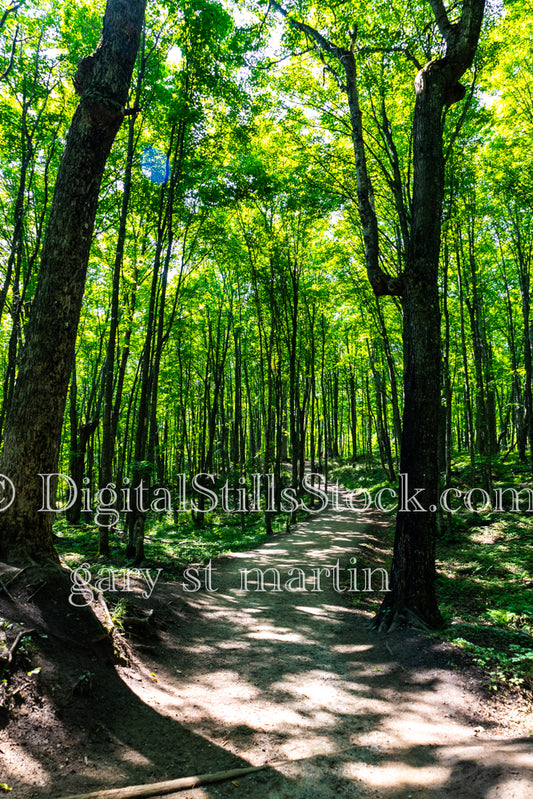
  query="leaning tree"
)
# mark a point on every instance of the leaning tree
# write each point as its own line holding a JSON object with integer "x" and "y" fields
{"x": 35, "y": 417}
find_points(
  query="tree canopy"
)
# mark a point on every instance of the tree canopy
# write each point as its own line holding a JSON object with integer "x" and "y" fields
{"x": 311, "y": 248}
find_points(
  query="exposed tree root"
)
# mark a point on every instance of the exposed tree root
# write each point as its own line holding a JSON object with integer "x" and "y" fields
{"x": 7, "y": 654}
{"x": 389, "y": 619}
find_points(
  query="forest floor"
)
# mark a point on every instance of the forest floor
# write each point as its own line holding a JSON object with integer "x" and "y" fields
{"x": 230, "y": 678}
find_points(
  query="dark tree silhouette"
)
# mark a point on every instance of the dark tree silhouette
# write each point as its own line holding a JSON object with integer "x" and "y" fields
{"x": 35, "y": 417}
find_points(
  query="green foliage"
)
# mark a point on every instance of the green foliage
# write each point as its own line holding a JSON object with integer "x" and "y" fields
{"x": 175, "y": 544}
{"x": 118, "y": 612}
{"x": 512, "y": 667}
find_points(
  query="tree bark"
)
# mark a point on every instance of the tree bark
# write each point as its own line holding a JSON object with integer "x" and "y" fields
{"x": 110, "y": 409}
{"x": 412, "y": 597}
{"x": 33, "y": 426}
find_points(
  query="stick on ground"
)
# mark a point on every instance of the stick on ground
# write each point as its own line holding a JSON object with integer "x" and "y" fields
{"x": 158, "y": 788}
{"x": 170, "y": 786}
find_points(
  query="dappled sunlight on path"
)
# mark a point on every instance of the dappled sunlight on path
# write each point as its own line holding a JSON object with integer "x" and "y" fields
{"x": 288, "y": 669}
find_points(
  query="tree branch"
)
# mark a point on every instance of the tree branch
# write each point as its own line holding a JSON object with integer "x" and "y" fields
{"x": 441, "y": 18}
{"x": 381, "y": 282}
{"x": 13, "y": 8}
{"x": 274, "y": 61}
{"x": 468, "y": 29}
{"x": 405, "y": 50}
{"x": 396, "y": 183}
{"x": 327, "y": 46}
{"x": 332, "y": 71}
{"x": 7, "y": 70}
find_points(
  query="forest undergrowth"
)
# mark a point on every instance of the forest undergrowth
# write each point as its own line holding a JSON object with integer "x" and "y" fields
{"x": 484, "y": 562}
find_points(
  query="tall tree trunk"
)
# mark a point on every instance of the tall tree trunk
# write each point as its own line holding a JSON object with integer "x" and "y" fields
{"x": 524, "y": 271}
{"x": 80, "y": 435}
{"x": 468, "y": 396}
{"x": 485, "y": 435}
{"x": 109, "y": 414}
{"x": 385, "y": 451}
{"x": 412, "y": 593}
{"x": 396, "y": 413}
{"x": 447, "y": 378}
{"x": 35, "y": 419}
{"x": 412, "y": 596}
{"x": 353, "y": 414}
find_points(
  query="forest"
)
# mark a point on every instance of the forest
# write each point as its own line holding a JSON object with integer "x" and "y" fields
{"x": 261, "y": 261}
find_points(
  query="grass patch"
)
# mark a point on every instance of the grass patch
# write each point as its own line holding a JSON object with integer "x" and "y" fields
{"x": 173, "y": 543}
{"x": 370, "y": 477}
{"x": 485, "y": 584}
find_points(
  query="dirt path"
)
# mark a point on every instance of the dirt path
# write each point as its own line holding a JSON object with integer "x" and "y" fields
{"x": 296, "y": 674}
{"x": 247, "y": 677}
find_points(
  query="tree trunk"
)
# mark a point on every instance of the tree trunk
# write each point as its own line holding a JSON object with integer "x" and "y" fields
{"x": 109, "y": 412}
{"x": 469, "y": 417}
{"x": 33, "y": 426}
{"x": 353, "y": 413}
{"x": 412, "y": 597}
{"x": 524, "y": 271}
{"x": 447, "y": 381}
{"x": 385, "y": 451}
{"x": 436, "y": 85}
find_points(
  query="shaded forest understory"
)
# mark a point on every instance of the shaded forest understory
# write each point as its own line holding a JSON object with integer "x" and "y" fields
{"x": 484, "y": 559}
{"x": 483, "y": 562}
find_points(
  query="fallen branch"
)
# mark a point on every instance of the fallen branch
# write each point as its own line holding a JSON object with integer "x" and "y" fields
{"x": 169, "y": 786}
{"x": 4, "y": 588}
